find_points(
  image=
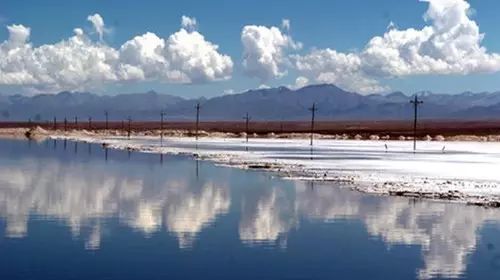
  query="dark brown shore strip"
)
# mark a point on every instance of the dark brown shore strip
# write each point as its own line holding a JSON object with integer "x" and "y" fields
{"x": 351, "y": 128}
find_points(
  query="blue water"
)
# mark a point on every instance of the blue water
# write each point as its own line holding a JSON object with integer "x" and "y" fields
{"x": 76, "y": 211}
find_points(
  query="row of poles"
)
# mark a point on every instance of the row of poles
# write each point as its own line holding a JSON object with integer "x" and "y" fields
{"x": 89, "y": 120}
{"x": 313, "y": 109}
{"x": 415, "y": 102}
{"x": 89, "y": 123}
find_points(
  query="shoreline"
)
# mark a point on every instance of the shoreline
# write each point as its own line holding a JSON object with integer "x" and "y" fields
{"x": 479, "y": 192}
{"x": 38, "y": 132}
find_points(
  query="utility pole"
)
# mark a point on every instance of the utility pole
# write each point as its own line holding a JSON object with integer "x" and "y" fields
{"x": 106, "y": 114}
{"x": 247, "y": 120}
{"x": 162, "y": 114}
{"x": 197, "y": 119}
{"x": 65, "y": 124}
{"x": 76, "y": 122}
{"x": 129, "y": 122}
{"x": 313, "y": 110}
{"x": 415, "y": 103}
{"x": 90, "y": 123}
{"x": 55, "y": 123}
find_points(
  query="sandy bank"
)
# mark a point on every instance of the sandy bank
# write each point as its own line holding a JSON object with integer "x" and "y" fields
{"x": 40, "y": 133}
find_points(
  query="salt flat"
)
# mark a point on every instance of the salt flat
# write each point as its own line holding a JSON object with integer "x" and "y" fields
{"x": 462, "y": 171}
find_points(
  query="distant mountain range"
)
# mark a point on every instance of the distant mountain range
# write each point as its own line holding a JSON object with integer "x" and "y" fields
{"x": 263, "y": 104}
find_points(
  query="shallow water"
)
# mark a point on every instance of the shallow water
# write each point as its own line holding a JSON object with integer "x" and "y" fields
{"x": 76, "y": 211}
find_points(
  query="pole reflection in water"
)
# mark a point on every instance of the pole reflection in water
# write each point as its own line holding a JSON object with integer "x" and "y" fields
{"x": 311, "y": 185}
{"x": 197, "y": 171}
{"x": 205, "y": 211}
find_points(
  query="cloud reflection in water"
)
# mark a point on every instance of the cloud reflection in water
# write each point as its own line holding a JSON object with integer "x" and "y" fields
{"x": 150, "y": 199}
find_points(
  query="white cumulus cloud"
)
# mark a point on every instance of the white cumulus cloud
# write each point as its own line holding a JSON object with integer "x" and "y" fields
{"x": 70, "y": 64}
{"x": 189, "y": 23}
{"x": 264, "y": 51}
{"x": 98, "y": 23}
{"x": 449, "y": 44}
{"x": 341, "y": 69}
{"x": 285, "y": 24}
{"x": 197, "y": 59}
{"x": 300, "y": 82}
{"x": 79, "y": 63}
{"x": 18, "y": 35}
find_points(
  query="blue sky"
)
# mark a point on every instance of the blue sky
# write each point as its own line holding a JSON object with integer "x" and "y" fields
{"x": 343, "y": 26}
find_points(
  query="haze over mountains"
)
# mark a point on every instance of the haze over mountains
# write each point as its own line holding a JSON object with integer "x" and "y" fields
{"x": 263, "y": 104}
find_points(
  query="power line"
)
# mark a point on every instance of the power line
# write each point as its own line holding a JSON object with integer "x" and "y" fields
{"x": 247, "y": 119}
{"x": 415, "y": 103}
{"x": 106, "y": 114}
{"x": 313, "y": 110}
{"x": 197, "y": 119}
{"x": 162, "y": 114}
{"x": 129, "y": 123}
{"x": 90, "y": 123}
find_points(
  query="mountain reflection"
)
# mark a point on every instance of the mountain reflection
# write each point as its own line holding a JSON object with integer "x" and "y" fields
{"x": 152, "y": 198}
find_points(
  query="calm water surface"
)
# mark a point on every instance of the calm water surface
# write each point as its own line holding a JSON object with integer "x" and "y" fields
{"x": 76, "y": 211}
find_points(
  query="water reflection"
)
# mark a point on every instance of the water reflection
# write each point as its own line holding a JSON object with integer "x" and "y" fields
{"x": 191, "y": 212}
{"x": 446, "y": 232}
{"x": 86, "y": 194}
{"x": 183, "y": 199}
{"x": 267, "y": 217}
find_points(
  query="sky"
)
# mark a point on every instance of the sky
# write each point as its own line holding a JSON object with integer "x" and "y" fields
{"x": 207, "y": 48}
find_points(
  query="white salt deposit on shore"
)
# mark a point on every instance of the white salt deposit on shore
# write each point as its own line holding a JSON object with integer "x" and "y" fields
{"x": 458, "y": 171}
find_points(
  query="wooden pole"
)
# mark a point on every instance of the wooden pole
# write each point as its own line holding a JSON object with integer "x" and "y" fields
{"x": 415, "y": 103}
{"x": 162, "y": 114}
{"x": 197, "y": 119}
{"x": 106, "y": 114}
{"x": 313, "y": 110}
{"x": 247, "y": 120}
{"x": 129, "y": 125}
